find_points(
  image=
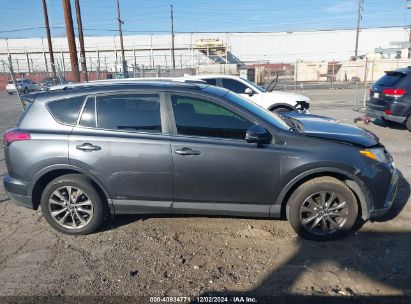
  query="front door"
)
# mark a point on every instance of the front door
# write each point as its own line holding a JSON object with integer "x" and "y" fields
{"x": 121, "y": 140}
{"x": 215, "y": 170}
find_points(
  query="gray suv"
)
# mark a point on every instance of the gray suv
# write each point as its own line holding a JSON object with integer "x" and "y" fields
{"x": 87, "y": 151}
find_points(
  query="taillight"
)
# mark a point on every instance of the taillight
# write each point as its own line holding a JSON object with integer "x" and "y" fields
{"x": 15, "y": 135}
{"x": 388, "y": 112}
{"x": 394, "y": 92}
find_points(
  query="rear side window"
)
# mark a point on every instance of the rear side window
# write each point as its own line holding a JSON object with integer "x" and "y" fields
{"x": 234, "y": 85}
{"x": 66, "y": 110}
{"x": 390, "y": 79}
{"x": 129, "y": 112}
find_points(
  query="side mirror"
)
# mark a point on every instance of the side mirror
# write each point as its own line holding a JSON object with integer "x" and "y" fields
{"x": 257, "y": 134}
{"x": 249, "y": 92}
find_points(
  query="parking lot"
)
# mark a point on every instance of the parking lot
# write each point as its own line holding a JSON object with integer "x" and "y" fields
{"x": 190, "y": 256}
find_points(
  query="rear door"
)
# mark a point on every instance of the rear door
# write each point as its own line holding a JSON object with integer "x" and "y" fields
{"x": 122, "y": 139}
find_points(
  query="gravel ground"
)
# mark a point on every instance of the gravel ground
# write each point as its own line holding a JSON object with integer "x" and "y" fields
{"x": 190, "y": 256}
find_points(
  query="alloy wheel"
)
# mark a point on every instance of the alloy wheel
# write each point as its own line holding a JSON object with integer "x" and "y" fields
{"x": 324, "y": 213}
{"x": 70, "y": 207}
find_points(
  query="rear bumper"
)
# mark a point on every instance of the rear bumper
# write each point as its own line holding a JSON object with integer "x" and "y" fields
{"x": 381, "y": 114}
{"x": 17, "y": 191}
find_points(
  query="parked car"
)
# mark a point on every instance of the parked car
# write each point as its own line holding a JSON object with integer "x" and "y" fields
{"x": 24, "y": 85}
{"x": 390, "y": 97}
{"x": 46, "y": 83}
{"x": 85, "y": 151}
{"x": 274, "y": 101}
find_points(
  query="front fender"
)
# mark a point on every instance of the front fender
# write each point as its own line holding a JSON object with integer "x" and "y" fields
{"x": 352, "y": 181}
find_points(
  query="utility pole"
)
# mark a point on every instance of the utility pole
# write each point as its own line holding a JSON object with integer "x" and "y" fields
{"x": 172, "y": 37}
{"x": 407, "y": 7}
{"x": 81, "y": 39}
{"x": 359, "y": 18}
{"x": 123, "y": 57}
{"x": 51, "y": 54}
{"x": 71, "y": 41}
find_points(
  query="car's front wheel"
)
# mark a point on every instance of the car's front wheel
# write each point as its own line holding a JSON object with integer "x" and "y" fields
{"x": 71, "y": 205}
{"x": 322, "y": 209}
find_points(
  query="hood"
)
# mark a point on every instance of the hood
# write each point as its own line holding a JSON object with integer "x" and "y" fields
{"x": 286, "y": 95}
{"x": 325, "y": 127}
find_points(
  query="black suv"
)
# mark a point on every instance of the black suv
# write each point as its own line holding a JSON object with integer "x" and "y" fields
{"x": 85, "y": 151}
{"x": 390, "y": 97}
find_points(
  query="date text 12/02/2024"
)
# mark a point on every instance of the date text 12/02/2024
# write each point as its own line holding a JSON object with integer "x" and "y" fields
{"x": 203, "y": 299}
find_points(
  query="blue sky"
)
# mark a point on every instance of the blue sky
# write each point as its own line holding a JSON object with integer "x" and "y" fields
{"x": 24, "y": 18}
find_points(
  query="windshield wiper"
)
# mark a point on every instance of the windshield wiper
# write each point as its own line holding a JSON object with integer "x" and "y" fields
{"x": 293, "y": 123}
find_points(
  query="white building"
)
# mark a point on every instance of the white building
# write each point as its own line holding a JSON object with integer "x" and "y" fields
{"x": 154, "y": 50}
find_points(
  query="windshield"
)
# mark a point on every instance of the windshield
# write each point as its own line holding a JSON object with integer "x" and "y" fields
{"x": 256, "y": 109}
{"x": 252, "y": 84}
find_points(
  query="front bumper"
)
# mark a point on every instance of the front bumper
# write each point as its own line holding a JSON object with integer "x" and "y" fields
{"x": 302, "y": 106}
{"x": 378, "y": 211}
{"x": 17, "y": 191}
{"x": 376, "y": 113}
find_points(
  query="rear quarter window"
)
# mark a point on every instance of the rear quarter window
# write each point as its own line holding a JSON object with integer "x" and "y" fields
{"x": 66, "y": 110}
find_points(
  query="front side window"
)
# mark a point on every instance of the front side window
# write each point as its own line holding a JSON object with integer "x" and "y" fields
{"x": 66, "y": 110}
{"x": 197, "y": 117}
{"x": 234, "y": 85}
{"x": 129, "y": 112}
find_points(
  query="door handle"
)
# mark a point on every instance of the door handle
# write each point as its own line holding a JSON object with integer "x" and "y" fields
{"x": 86, "y": 147}
{"x": 187, "y": 151}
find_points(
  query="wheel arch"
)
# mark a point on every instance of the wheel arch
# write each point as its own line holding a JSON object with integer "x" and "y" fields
{"x": 281, "y": 105}
{"x": 349, "y": 179}
{"x": 45, "y": 175}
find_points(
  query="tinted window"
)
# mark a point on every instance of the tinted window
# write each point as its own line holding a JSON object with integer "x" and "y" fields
{"x": 88, "y": 118}
{"x": 389, "y": 80}
{"x": 129, "y": 112}
{"x": 66, "y": 110}
{"x": 234, "y": 85}
{"x": 203, "y": 118}
{"x": 211, "y": 81}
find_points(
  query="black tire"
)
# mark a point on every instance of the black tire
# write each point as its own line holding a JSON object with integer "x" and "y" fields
{"x": 408, "y": 123}
{"x": 25, "y": 91}
{"x": 89, "y": 194}
{"x": 281, "y": 110}
{"x": 10, "y": 93}
{"x": 337, "y": 226}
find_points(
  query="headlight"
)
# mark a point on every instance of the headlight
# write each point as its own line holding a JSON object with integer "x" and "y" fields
{"x": 377, "y": 154}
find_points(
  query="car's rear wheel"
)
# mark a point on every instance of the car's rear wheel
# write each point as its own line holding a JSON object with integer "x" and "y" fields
{"x": 25, "y": 90}
{"x": 71, "y": 205}
{"x": 322, "y": 209}
{"x": 408, "y": 123}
